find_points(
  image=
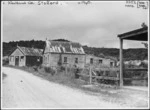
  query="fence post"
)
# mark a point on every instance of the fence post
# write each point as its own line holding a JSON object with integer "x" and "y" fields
{"x": 56, "y": 69}
{"x": 66, "y": 69}
{"x": 118, "y": 78}
{"x": 90, "y": 75}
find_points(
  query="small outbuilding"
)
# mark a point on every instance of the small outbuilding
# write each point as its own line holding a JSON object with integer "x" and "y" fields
{"x": 23, "y": 56}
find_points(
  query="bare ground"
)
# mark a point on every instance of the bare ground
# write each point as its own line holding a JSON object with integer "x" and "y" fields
{"x": 24, "y": 90}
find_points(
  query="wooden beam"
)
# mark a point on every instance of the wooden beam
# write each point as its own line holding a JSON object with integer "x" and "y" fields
{"x": 121, "y": 62}
{"x": 90, "y": 74}
{"x": 99, "y": 77}
{"x": 138, "y": 69}
{"x": 125, "y": 36}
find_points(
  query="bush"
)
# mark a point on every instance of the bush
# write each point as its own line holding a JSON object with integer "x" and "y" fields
{"x": 77, "y": 73}
{"x": 40, "y": 66}
{"x": 5, "y": 61}
{"x": 99, "y": 73}
{"x": 62, "y": 68}
{"x": 4, "y": 75}
{"x": 35, "y": 68}
{"x": 127, "y": 82}
{"x": 49, "y": 70}
{"x": 128, "y": 74}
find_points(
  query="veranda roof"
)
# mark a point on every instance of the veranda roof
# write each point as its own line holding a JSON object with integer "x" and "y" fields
{"x": 140, "y": 34}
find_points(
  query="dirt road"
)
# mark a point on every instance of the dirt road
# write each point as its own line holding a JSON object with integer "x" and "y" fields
{"x": 24, "y": 90}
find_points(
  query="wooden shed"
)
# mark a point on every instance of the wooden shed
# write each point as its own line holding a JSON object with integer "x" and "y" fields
{"x": 23, "y": 56}
{"x": 63, "y": 53}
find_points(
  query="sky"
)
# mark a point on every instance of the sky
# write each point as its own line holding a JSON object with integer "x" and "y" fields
{"x": 95, "y": 25}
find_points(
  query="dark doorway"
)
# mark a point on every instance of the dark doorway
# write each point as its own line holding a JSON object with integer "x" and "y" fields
{"x": 17, "y": 61}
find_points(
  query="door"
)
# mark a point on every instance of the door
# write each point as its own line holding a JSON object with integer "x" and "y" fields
{"x": 17, "y": 61}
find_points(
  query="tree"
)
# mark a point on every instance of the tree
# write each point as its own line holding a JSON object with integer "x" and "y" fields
{"x": 145, "y": 44}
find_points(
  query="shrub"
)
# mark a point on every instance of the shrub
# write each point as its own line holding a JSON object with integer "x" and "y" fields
{"x": 77, "y": 73}
{"x": 49, "y": 70}
{"x": 127, "y": 82}
{"x": 100, "y": 73}
{"x": 40, "y": 66}
{"x": 144, "y": 65}
{"x": 5, "y": 61}
{"x": 113, "y": 73}
{"x": 35, "y": 68}
{"x": 4, "y": 75}
{"x": 128, "y": 74}
{"x": 62, "y": 68}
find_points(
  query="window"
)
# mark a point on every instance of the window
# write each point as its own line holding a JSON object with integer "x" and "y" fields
{"x": 111, "y": 63}
{"x": 100, "y": 61}
{"x": 11, "y": 58}
{"x": 65, "y": 59}
{"x": 38, "y": 59}
{"x": 91, "y": 61}
{"x": 76, "y": 60}
{"x": 22, "y": 58}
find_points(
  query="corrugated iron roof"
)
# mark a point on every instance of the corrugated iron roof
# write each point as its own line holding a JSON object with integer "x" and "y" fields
{"x": 64, "y": 47}
{"x": 31, "y": 51}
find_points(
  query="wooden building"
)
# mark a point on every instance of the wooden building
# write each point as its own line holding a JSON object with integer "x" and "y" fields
{"x": 23, "y": 56}
{"x": 63, "y": 53}
{"x": 99, "y": 61}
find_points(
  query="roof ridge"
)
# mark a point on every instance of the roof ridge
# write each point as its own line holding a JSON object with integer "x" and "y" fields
{"x": 29, "y": 47}
{"x": 64, "y": 41}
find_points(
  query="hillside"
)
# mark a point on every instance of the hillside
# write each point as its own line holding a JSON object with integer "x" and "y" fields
{"x": 129, "y": 54}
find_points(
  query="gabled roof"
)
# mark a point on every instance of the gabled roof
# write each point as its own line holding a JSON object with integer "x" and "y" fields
{"x": 64, "y": 47}
{"x": 29, "y": 51}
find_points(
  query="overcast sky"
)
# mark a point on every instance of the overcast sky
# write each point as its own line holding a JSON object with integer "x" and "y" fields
{"x": 96, "y": 24}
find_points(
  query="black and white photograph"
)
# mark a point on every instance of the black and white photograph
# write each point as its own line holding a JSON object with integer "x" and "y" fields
{"x": 75, "y": 54}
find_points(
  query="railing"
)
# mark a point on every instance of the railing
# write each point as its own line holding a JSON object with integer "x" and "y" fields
{"x": 116, "y": 78}
{"x": 104, "y": 75}
{"x": 134, "y": 69}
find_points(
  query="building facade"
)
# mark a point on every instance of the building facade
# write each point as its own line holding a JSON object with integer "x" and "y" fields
{"x": 63, "y": 53}
{"x": 98, "y": 61}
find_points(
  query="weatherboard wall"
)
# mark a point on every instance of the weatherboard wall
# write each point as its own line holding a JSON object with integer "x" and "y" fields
{"x": 52, "y": 59}
{"x": 96, "y": 61}
{"x": 20, "y": 55}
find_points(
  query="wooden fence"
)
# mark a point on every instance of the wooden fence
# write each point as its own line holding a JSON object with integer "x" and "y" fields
{"x": 94, "y": 74}
{"x": 113, "y": 74}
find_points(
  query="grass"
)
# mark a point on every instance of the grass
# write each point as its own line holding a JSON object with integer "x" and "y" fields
{"x": 69, "y": 80}
{"x": 114, "y": 95}
{"x": 65, "y": 79}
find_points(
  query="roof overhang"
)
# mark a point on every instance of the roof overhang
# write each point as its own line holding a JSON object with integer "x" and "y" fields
{"x": 138, "y": 34}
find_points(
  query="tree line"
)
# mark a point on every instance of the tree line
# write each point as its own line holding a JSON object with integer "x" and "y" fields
{"x": 129, "y": 54}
